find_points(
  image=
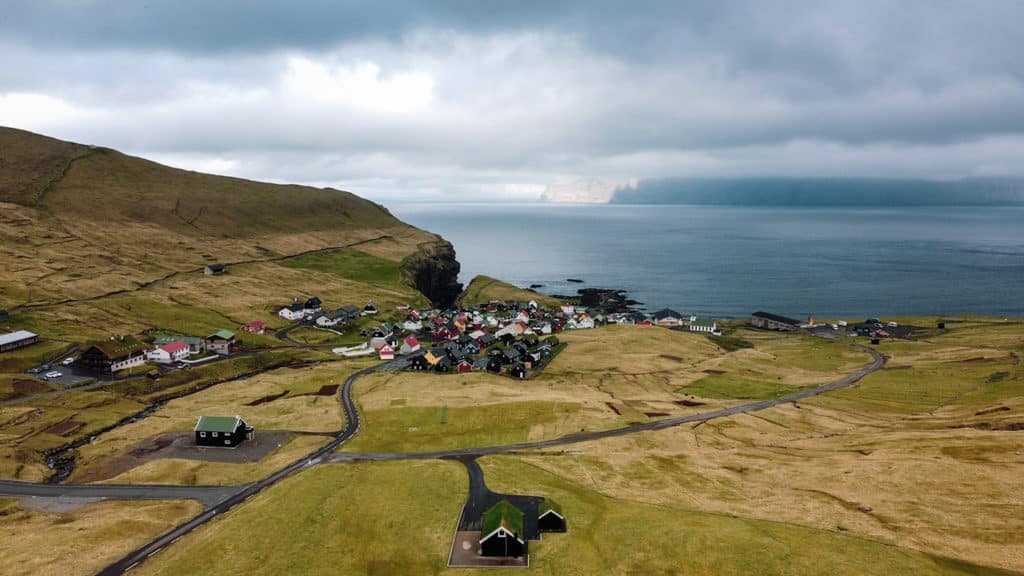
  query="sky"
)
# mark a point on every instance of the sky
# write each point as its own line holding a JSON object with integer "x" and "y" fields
{"x": 479, "y": 101}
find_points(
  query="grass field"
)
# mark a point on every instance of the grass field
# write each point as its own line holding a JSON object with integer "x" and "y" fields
{"x": 398, "y": 518}
{"x": 84, "y": 540}
{"x": 484, "y": 289}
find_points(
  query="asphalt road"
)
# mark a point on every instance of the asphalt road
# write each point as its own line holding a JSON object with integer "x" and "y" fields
{"x": 876, "y": 364}
{"x": 235, "y": 495}
{"x": 481, "y": 499}
{"x": 208, "y": 495}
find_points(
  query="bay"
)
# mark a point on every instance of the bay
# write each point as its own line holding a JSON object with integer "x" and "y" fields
{"x": 731, "y": 261}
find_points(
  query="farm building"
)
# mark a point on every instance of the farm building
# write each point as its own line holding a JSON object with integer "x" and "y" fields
{"x": 108, "y": 356}
{"x": 18, "y": 339}
{"x": 222, "y": 431}
{"x": 255, "y": 327}
{"x": 220, "y": 342}
{"x": 549, "y": 517}
{"x": 214, "y": 269}
{"x": 769, "y": 321}
{"x": 501, "y": 531}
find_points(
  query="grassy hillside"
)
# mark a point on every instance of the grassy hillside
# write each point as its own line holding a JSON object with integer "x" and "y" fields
{"x": 483, "y": 289}
{"x": 80, "y": 222}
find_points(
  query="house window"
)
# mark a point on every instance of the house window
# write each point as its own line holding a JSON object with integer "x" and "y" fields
{"x": 227, "y": 441}
{"x": 214, "y": 434}
{"x": 202, "y": 434}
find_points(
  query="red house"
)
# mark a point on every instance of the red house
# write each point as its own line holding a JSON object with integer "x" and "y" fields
{"x": 255, "y": 327}
{"x": 387, "y": 352}
{"x": 465, "y": 366}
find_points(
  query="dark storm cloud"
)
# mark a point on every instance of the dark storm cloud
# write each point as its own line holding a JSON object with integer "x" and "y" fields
{"x": 464, "y": 96}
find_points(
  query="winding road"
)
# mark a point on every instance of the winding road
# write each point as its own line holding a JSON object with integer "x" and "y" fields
{"x": 235, "y": 495}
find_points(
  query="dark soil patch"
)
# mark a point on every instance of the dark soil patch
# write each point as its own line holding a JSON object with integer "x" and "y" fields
{"x": 978, "y": 360}
{"x": 65, "y": 428}
{"x": 671, "y": 357}
{"x": 267, "y": 399}
{"x": 898, "y": 368}
{"x": 655, "y": 414}
{"x": 689, "y": 403}
{"x": 614, "y": 408}
{"x": 992, "y": 410}
{"x": 714, "y": 371}
{"x": 26, "y": 387}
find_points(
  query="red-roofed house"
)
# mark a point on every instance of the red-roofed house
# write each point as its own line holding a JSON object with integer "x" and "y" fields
{"x": 409, "y": 346}
{"x": 169, "y": 353}
{"x": 255, "y": 327}
{"x": 387, "y": 352}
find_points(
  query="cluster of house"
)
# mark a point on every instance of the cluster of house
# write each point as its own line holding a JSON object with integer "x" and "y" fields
{"x": 313, "y": 309}
{"x": 123, "y": 352}
{"x": 503, "y": 528}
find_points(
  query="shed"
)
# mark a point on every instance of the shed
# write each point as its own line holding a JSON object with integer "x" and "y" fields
{"x": 18, "y": 339}
{"x": 214, "y": 269}
{"x": 222, "y": 431}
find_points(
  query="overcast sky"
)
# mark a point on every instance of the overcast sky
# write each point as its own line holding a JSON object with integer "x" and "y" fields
{"x": 480, "y": 100}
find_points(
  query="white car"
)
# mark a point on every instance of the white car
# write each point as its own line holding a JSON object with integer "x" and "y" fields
{"x": 54, "y": 374}
{"x": 68, "y": 361}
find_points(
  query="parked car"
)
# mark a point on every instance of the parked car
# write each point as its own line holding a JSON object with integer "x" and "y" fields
{"x": 68, "y": 361}
{"x": 35, "y": 370}
{"x": 54, "y": 374}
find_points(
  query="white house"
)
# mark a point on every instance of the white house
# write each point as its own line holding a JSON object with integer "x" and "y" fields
{"x": 510, "y": 329}
{"x": 387, "y": 352}
{"x": 169, "y": 353}
{"x": 412, "y": 325}
{"x": 568, "y": 309}
{"x": 584, "y": 321}
{"x": 703, "y": 325}
{"x": 293, "y": 312}
{"x": 331, "y": 318}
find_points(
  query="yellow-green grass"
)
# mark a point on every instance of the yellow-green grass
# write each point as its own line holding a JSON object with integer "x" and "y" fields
{"x": 352, "y": 264}
{"x": 296, "y": 411}
{"x": 85, "y": 540}
{"x": 370, "y": 518}
{"x": 311, "y": 336}
{"x": 21, "y": 359}
{"x": 412, "y": 429}
{"x": 623, "y": 349}
{"x": 484, "y": 289}
{"x": 619, "y": 536}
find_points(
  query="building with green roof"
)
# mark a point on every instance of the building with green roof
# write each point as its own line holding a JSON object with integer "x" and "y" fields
{"x": 222, "y": 431}
{"x": 220, "y": 342}
{"x": 501, "y": 531}
{"x": 108, "y": 356}
{"x": 549, "y": 517}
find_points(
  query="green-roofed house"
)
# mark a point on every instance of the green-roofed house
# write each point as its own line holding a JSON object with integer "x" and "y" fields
{"x": 222, "y": 431}
{"x": 704, "y": 325}
{"x": 501, "y": 531}
{"x": 109, "y": 356}
{"x": 549, "y": 517}
{"x": 220, "y": 342}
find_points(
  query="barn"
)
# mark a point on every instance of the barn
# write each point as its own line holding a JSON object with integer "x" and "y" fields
{"x": 769, "y": 321}
{"x": 222, "y": 431}
{"x": 501, "y": 531}
{"x": 17, "y": 339}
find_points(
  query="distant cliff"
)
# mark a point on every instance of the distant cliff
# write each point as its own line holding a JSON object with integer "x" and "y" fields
{"x": 824, "y": 192}
{"x": 434, "y": 271}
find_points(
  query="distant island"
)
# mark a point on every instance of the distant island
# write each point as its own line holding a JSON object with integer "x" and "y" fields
{"x": 824, "y": 192}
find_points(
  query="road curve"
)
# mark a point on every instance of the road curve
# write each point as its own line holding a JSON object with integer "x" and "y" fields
{"x": 876, "y": 364}
{"x": 250, "y": 490}
{"x": 325, "y": 453}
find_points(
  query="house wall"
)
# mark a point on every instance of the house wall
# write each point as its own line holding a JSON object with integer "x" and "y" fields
{"x": 497, "y": 545}
{"x": 19, "y": 344}
{"x": 131, "y": 361}
{"x": 219, "y": 346}
{"x": 222, "y": 440}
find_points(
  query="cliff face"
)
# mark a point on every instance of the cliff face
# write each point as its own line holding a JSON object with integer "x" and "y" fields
{"x": 435, "y": 273}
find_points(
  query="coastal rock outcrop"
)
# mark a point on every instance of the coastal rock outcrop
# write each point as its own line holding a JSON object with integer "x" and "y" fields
{"x": 434, "y": 271}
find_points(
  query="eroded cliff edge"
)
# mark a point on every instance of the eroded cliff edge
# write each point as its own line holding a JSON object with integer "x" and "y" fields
{"x": 434, "y": 271}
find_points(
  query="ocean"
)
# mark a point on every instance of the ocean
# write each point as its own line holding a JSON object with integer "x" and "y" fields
{"x": 728, "y": 262}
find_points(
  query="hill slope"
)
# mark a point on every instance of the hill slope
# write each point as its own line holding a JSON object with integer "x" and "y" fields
{"x": 83, "y": 221}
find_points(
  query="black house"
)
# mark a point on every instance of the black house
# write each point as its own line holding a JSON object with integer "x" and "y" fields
{"x": 549, "y": 517}
{"x": 488, "y": 363}
{"x": 222, "y": 431}
{"x": 501, "y": 532}
{"x": 518, "y": 370}
{"x": 443, "y": 365}
{"x": 507, "y": 339}
{"x": 419, "y": 363}
{"x": 313, "y": 303}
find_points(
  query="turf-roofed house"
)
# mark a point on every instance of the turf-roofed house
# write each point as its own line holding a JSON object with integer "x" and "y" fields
{"x": 549, "y": 517}
{"x": 222, "y": 431}
{"x": 501, "y": 533}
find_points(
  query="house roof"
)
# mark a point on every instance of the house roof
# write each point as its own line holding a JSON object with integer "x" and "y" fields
{"x": 223, "y": 334}
{"x": 549, "y": 505}
{"x": 176, "y": 346}
{"x": 256, "y": 324}
{"x": 776, "y": 317}
{"x": 218, "y": 423}
{"x": 118, "y": 348}
{"x": 215, "y": 267}
{"x": 702, "y": 322}
{"x": 412, "y": 341}
{"x": 17, "y": 336}
{"x": 502, "y": 514}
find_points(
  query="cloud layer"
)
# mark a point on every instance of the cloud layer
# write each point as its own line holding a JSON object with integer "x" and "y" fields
{"x": 463, "y": 100}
